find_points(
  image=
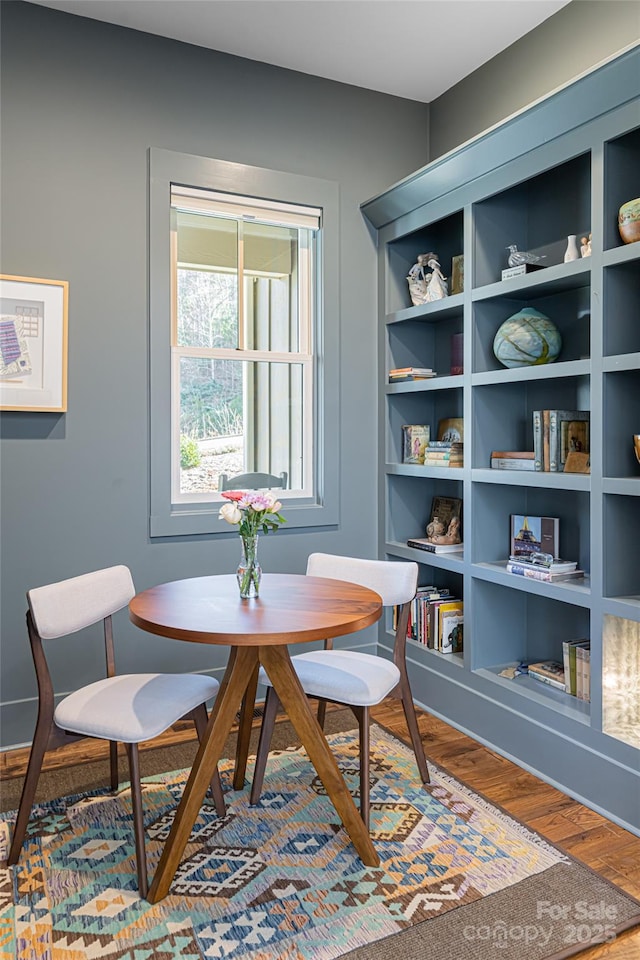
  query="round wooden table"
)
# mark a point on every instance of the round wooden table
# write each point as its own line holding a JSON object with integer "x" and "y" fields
{"x": 291, "y": 609}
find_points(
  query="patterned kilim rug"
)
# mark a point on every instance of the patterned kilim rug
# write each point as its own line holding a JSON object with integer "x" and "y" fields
{"x": 459, "y": 878}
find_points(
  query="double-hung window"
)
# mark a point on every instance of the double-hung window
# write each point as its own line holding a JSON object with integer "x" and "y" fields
{"x": 243, "y": 275}
{"x": 241, "y": 338}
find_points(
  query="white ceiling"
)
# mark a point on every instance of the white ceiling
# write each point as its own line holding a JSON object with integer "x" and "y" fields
{"x": 410, "y": 48}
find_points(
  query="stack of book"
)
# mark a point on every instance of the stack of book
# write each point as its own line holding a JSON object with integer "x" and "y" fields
{"x": 577, "y": 668}
{"x": 512, "y": 460}
{"x": 402, "y": 374}
{"x": 542, "y": 566}
{"x": 561, "y": 440}
{"x": 435, "y": 619}
{"x": 443, "y": 453}
{"x": 548, "y": 671}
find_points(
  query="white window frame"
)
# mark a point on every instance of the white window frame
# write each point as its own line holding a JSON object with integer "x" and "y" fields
{"x": 171, "y": 515}
{"x": 243, "y": 210}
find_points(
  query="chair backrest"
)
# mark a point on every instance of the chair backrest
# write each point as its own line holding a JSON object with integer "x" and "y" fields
{"x": 253, "y": 481}
{"x": 70, "y": 605}
{"x": 395, "y": 581}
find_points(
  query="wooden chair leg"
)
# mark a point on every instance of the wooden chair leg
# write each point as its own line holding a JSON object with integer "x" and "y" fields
{"x": 322, "y": 712}
{"x": 113, "y": 765}
{"x": 38, "y": 750}
{"x": 365, "y": 758}
{"x": 201, "y": 718}
{"x": 414, "y": 733}
{"x": 271, "y": 705}
{"x": 138, "y": 817}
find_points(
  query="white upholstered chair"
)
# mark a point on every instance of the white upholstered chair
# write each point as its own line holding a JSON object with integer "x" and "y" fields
{"x": 357, "y": 680}
{"x": 128, "y": 708}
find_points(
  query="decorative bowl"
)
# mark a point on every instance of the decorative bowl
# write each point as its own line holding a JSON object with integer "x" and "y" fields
{"x": 629, "y": 221}
{"x": 527, "y": 339}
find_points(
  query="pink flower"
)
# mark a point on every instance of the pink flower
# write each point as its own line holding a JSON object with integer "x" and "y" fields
{"x": 234, "y": 495}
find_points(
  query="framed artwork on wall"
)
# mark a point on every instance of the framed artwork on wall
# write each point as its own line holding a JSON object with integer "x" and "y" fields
{"x": 33, "y": 344}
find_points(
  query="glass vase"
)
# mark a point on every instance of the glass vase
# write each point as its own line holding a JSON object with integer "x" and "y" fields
{"x": 249, "y": 571}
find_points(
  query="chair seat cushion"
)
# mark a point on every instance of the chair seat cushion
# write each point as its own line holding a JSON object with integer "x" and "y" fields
{"x": 133, "y": 707}
{"x": 345, "y": 676}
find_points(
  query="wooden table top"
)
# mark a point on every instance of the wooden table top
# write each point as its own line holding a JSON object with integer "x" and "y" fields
{"x": 291, "y": 608}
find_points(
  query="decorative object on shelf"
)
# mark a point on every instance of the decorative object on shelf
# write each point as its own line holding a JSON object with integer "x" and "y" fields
{"x": 636, "y": 445}
{"x": 457, "y": 274}
{"x": 457, "y": 354}
{"x": 585, "y": 246}
{"x": 417, "y": 279}
{"x": 451, "y": 430}
{"x": 33, "y": 336}
{"x": 571, "y": 253}
{"x": 534, "y": 535}
{"x": 436, "y": 283}
{"x": 629, "y": 220}
{"x": 522, "y": 258}
{"x": 254, "y": 513}
{"x": 528, "y": 338}
{"x": 577, "y": 462}
{"x": 444, "y": 527}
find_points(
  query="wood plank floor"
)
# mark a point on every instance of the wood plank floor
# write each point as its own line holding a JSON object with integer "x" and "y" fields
{"x": 606, "y": 848}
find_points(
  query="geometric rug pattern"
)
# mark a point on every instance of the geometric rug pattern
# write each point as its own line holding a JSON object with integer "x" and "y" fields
{"x": 279, "y": 881}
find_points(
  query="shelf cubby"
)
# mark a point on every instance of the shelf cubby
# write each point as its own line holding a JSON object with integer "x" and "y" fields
{"x": 533, "y": 626}
{"x": 621, "y": 521}
{"x": 492, "y": 430}
{"x": 427, "y": 407}
{"x": 409, "y": 501}
{"x": 416, "y": 343}
{"x": 537, "y": 215}
{"x": 621, "y": 181}
{"x": 621, "y": 679}
{"x": 492, "y": 507}
{"x": 443, "y": 237}
{"x": 621, "y": 333}
{"x": 621, "y": 422}
{"x": 569, "y": 309}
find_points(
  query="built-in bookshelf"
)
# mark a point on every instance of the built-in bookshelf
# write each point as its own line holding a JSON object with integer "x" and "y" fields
{"x": 502, "y": 188}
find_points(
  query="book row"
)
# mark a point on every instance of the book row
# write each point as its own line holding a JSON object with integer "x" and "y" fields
{"x": 561, "y": 440}
{"x": 436, "y": 619}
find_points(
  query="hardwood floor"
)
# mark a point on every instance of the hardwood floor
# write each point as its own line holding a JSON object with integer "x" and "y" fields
{"x": 606, "y": 848}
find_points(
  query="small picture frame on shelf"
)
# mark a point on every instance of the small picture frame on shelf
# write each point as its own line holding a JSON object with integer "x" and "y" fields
{"x": 457, "y": 274}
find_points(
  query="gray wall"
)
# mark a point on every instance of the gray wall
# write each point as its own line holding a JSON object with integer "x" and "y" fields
{"x": 82, "y": 102}
{"x": 575, "y": 39}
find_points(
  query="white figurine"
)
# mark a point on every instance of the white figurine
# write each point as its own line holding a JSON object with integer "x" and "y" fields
{"x": 585, "y": 246}
{"x": 418, "y": 280}
{"x": 437, "y": 284}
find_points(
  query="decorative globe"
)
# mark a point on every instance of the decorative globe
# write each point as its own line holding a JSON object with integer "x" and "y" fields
{"x": 527, "y": 339}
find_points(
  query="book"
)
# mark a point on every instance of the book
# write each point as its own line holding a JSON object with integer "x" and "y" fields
{"x": 415, "y": 437}
{"x": 410, "y": 377}
{"x": 444, "y": 526}
{"x": 449, "y": 617}
{"x": 439, "y": 462}
{"x": 451, "y": 429}
{"x": 539, "y": 573}
{"x": 537, "y": 439}
{"x": 423, "y": 544}
{"x": 443, "y": 454}
{"x": 583, "y": 672}
{"x": 512, "y": 463}
{"x": 548, "y": 671}
{"x": 569, "y": 663}
{"x": 543, "y": 561}
{"x": 534, "y": 535}
{"x": 410, "y": 371}
{"x": 546, "y": 419}
{"x": 446, "y": 445}
{"x": 568, "y": 431}
{"x": 513, "y": 454}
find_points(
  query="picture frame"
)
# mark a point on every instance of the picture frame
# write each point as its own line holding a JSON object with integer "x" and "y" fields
{"x": 33, "y": 344}
{"x": 457, "y": 274}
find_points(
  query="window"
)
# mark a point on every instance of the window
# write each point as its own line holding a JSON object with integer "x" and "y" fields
{"x": 243, "y": 365}
{"x": 242, "y": 342}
